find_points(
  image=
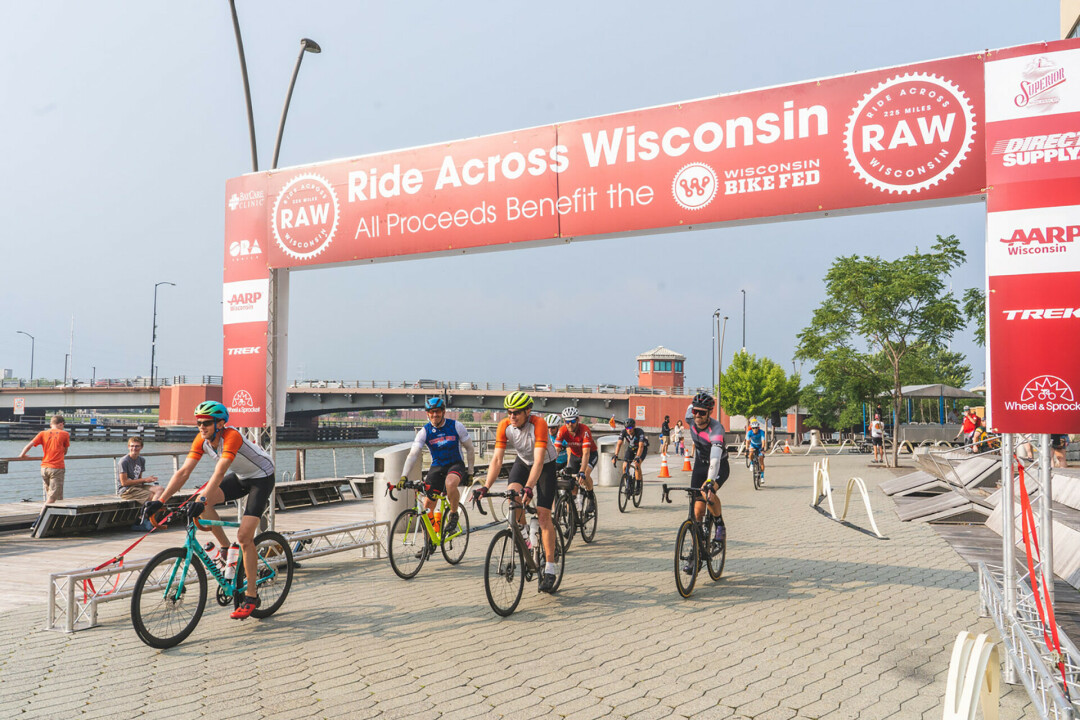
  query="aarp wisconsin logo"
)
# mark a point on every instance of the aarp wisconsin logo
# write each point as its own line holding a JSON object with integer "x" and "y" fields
{"x": 909, "y": 133}
{"x": 1039, "y": 81}
{"x": 305, "y": 216}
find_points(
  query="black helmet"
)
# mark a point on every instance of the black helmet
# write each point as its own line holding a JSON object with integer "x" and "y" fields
{"x": 703, "y": 400}
{"x": 629, "y": 423}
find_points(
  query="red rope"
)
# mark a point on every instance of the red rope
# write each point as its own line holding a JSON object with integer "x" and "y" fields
{"x": 1046, "y": 619}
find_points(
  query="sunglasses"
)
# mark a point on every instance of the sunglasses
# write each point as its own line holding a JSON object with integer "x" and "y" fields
{"x": 515, "y": 412}
{"x": 700, "y": 412}
{"x": 571, "y": 421}
{"x": 205, "y": 423}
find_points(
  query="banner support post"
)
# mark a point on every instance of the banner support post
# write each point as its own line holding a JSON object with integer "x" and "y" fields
{"x": 1008, "y": 540}
{"x": 1046, "y": 517}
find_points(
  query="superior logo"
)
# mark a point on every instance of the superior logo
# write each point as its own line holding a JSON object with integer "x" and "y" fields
{"x": 1030, "y": 90}
{"x": 1042, "y": 314}
{"x": 245, "y": 350}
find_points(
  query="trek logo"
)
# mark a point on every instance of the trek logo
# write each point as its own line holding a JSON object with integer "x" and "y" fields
{"x": 1041, "y": 240}
{"x": 245, "y": 350}
{"x": 1042, "y": 314}
{"x": 243, "y": 248}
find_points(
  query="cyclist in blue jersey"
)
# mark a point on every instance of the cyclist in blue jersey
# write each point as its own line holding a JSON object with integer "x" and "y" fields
{"x": 755, "y": 446}
{"x": 444, "y": 440}
{"x": 710, "y": 458}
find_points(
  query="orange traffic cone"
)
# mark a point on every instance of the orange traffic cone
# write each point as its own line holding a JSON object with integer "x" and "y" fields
{"x": 612, "y": 422}
{"x": 686, "y": 463}
{"x": 663, "y": 467}
{"x": 787, "y": 448}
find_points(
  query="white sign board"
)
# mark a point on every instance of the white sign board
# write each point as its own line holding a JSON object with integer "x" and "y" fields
{"x": 20, "y": 406}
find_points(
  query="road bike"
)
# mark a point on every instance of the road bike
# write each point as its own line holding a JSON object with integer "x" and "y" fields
{"x": 630, "y": 488}
{"x": 170, "y": 593}
{"x": 415, "y": 534}
{"x": 695, "y": 545}
{"x": 511, "y": 560}
{"x": 567, "y": 515}
{"x": 755, "y": 463}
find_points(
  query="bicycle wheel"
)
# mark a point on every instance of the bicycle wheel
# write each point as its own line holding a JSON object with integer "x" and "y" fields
{"x": 504, "y": 573}
{"x": 717, "y": 552}
{"x": 408, "y": 544}
{"x": 747, "y": 457}
{"x": 564, "y": 514}
{"x": 453, "y": 547}
{"x": 686, "y": 559}
{"x": 560, "y": 559}
{"x": 587, "y": 519}
{"x": 624, "y": 492}
{"x": 274, "y": 576}
{"x": 757, "y": 477}
{"x": 639, "y": 490}
{"x": 168, "y": 600}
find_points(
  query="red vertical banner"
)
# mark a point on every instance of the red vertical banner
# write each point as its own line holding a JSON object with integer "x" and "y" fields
{"x": 245, "y": 301}
{"x": 1033, "y": 238}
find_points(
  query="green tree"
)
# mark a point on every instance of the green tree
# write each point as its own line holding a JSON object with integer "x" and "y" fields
{"x": 752, "y": 386}
{"x": 975, "y": 309}
{"x": 886, "y": 307}
{"x": 843, "y": 380}
{"x": 485, "y": 416}
{"x": 465, "y": 416}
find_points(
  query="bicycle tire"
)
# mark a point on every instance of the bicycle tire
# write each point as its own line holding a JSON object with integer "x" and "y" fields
{"x": 560, "y": 560}
{"x": 153, "y": 613}
{"x": 716, "y": 552}
{"x": 588, "y": 519}
{"x": 407, "y": 544}
{"x": 757, "y": 477}
{"x": 639, "y": 491}
{"x": 686, "y": 556}
{"x": 275, "y": 572}
{"x": 504, "y": 573}
{"x": 624, "y": 493}
{"x": 453, "y": 547}
{"x": 564, "y": 515}
{"x": 746, "y": 455}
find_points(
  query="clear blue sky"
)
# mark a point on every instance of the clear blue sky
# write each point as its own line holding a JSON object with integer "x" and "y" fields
{"x": 121, "y": 122}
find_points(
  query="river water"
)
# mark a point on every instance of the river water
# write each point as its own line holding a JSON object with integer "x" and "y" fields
{"x": 98, "y": 476}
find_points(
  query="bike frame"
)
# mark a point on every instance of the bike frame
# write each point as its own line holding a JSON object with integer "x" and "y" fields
{"x": 192, "y": 547}
{"x": 443, "y": 506}
{"x": 515, "y": 527}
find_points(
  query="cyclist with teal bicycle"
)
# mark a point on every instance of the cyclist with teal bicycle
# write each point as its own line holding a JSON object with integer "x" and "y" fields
{"x": 755, "y": 447}
{"x": 241, "y": 469}
{"x": 444, "y": 440}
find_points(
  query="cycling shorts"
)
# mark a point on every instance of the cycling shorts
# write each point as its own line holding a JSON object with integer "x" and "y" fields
{"x": 436, "y": 475}
{"x": 545, "y": 486}
{"x": 631, "y": 452}
{"x": 257, "y": 491}
{"x": 878, "y": 441}
{"x": 701, "y": 473}
{"x": 575, "y": 462}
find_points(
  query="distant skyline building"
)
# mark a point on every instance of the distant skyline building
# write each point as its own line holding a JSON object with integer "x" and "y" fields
{"x": 7, "y": 373}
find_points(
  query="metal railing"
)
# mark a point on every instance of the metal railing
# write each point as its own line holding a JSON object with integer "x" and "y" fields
{"x": 1022, "y": 637}
{"x": 461, "y": 386}
{"x": 137, "y": 382}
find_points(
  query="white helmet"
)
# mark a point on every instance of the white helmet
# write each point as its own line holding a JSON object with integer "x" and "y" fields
{"x": 569, "y": 413}
{"x": 552, "y": 420}
{"x": 754, "y": 423}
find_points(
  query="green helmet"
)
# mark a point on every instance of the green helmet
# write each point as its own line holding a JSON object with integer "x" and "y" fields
{"x": 517, "y": 401}
{"x": 212, "y": 410}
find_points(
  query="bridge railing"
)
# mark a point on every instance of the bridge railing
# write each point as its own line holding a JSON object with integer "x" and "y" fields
{"x": 466, "y": 386}
{"x": 96, "y": 382}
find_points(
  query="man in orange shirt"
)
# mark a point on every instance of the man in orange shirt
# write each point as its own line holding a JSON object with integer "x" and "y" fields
{"x": 54, "y": 444}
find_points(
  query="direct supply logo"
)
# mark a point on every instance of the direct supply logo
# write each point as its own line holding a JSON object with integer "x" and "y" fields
{"x": 305, "y": 216}
{"x": 909, "y": 133}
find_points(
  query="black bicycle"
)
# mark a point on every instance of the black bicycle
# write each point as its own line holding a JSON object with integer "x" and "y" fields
{"x": 630, "y": 488}
{"x": 695, "y": 545}
{"x": 511, "y": 560}
{"x": 574, "y": 509}
{"x": 754, "y": 459}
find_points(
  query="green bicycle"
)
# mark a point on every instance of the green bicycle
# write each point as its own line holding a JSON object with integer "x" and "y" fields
{"x": 414, "y": 536}
{"x": 170, "y": 592}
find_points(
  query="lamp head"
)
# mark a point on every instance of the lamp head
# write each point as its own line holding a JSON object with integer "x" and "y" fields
{"x": 310, "y": 46}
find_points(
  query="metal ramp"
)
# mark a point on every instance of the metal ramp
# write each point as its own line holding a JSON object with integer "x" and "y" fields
{"x": 956, "y": 506}
{"x": 970, "y": 474}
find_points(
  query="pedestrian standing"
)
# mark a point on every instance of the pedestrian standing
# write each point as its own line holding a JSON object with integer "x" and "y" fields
{"x": 54, "y": 444}
{"x": 665, "y": 434}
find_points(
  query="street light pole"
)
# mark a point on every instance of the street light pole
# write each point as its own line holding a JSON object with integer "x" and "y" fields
{"x": 306, "y": 45}
{"x": 247, "y": 89}
{"x": 743, "y": 320}
{"x": 23, "y": 332}
{"x": 153, "y": 337}
{"x": 720, "y": 364}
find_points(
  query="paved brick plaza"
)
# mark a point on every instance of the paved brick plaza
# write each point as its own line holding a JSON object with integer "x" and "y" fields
{"x": 811, "y": 620}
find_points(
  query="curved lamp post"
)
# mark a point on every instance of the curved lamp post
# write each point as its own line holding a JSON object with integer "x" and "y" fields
{"x": 23, "y": 332}
{"x": 153, "y": 338}
{"x": 306, "y": 46}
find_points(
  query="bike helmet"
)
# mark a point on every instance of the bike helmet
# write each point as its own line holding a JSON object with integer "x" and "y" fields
{"x": 434, "y": 403}
{"x": 569, "y": 414}
{"x": 551, "y": 419}
{"x": 210, "y": 409}
{"x": 703, "y": 400}
{"x": 629, "y": 424}
{"x": 754, "y": 423}
{"x": 517, "y": 401}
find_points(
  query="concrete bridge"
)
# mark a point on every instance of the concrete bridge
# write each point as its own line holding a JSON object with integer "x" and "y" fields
{"x": 67, "y": 399}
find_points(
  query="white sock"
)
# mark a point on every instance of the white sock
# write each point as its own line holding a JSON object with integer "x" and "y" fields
{"x": 549, "y": 568}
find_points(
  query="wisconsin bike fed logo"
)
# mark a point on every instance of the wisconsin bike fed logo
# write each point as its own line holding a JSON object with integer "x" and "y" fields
{"x": 694, "y": 186}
